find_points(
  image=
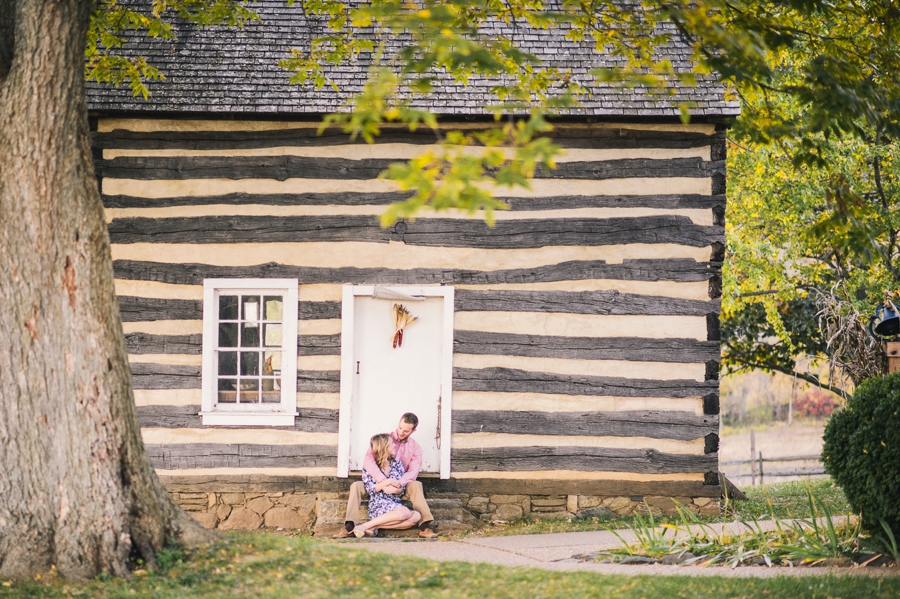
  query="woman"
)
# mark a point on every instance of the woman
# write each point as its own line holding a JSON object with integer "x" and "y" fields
{"x": 385, "y": 510}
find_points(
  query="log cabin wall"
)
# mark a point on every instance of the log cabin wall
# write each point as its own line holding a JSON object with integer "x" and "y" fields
{"x": 586, "y": 321}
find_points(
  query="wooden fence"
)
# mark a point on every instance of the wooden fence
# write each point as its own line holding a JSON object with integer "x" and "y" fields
{"x": 759, "y": 472}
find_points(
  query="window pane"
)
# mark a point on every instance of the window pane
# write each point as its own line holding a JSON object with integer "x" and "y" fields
{"x": 271, "y": 391}
{"x": 249, "y": 390}
{"x": 250, "y": 334}
{"x": 227, "y": 391}
{"x": 228, "y": 334}
{"x": 273, "y": 335}
{"x": 251, "y": 307}
{"x": 227, "y": 363}
{"x": 272, "y": 362}
{"x": 273, "y": 307}
{"x": 228, "y": 305}
{"x": 249, "y": 363}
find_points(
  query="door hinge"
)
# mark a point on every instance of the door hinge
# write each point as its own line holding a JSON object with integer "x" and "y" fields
{"x": 437, "y": 432}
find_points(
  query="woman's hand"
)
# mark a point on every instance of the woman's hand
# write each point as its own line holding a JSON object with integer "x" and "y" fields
{"x": 389, "y": 486}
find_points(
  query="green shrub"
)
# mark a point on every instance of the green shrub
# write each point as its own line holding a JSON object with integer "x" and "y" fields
{"x": 862, "y": 451}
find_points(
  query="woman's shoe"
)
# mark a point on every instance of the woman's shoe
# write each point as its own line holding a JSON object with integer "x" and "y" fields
{"x": 360, "y": 533}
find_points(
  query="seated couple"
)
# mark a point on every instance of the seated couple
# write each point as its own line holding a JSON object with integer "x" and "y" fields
{"x": 390, "y": 469}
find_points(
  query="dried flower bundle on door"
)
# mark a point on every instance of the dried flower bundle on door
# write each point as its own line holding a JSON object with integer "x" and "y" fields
{"x": 402, "y": 319}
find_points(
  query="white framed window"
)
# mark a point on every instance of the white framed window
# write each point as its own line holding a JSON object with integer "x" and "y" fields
{"x": 249, "y": 352}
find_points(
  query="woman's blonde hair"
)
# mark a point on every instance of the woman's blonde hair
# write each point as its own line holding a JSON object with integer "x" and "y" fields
{"x": 381, "y": 450}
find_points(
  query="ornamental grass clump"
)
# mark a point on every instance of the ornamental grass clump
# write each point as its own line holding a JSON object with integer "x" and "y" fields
{"x": 811, "y": 541}
{"x": 861, "y": 452}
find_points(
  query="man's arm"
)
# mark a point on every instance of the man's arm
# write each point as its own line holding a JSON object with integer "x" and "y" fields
{"x": 415, "y": 464}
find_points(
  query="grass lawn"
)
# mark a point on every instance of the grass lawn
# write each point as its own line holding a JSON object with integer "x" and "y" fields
{"x": 788, "y": 500}
{"x": 262, "y": 565}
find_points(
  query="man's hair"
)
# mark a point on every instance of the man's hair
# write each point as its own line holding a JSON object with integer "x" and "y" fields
{"x": 410, "y": 418}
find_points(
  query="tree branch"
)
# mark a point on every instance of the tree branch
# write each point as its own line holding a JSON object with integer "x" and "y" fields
{"x": 750, "y": 364}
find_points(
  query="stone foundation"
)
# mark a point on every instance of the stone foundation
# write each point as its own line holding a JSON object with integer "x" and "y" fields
{"x": 323, "y": 513}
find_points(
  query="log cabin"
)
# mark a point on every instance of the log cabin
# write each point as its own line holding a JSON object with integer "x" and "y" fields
{"x": 563, "y": 362}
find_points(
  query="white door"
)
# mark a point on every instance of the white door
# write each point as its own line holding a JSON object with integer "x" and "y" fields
{"x": 385, "y": 382}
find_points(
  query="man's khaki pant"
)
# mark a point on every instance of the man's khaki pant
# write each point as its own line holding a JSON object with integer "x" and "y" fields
{"x": 414, "y": 494}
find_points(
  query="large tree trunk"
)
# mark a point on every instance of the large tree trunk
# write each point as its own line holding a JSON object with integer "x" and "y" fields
{"x": 76, "y": 487}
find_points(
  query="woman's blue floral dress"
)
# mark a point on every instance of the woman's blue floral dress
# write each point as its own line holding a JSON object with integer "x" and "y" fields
{"x": 381, "y": 502}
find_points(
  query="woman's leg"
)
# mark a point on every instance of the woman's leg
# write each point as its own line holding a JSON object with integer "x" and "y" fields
{"x": 389, "y": 520}
{"x": 411, "y": 521}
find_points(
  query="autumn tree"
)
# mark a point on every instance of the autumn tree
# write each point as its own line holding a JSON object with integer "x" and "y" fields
{"x": 812, "y": 221}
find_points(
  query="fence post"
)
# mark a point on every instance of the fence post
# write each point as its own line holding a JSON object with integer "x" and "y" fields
{"x": 752, "y": 455}
{"x": 761, "y": 469}
{"x": 892, "y": 349}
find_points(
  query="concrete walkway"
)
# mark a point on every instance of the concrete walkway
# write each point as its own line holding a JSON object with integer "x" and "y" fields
{"x": 555, "y": 551}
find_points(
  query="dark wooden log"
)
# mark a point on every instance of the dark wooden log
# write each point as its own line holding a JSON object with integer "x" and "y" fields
{"x": 319, "y": 310}
{"x": 711, "y": 443}
{"x": 319, "y": 345}
{"x": 145, "y": 343}
{"x": 240, "y": 167}
{"x": 307, "y": 381}
{"x": 642, "y": 461}
{"x": 712, "y": 327}
{"x": 281, "y": 168}
{"x": 664, "y": 202}
{"x": 711, "y": 403}
{"x": 138, "y": 309}
{"x": 579, "y": 302}
{"x": 719, "y": 183}
{"x": 719, "y": 214}
{"x": 712, "y": 371}
{"x": 550, "y": 486}
{"x": 239, "y": 140}
{"x": 244, "y": 455}
{"x": 311, "y": 420}
{"x": 731, "y": 491}
{"x": 522, "y": 381}
{"x": 319, "y": 381}
{"x": 679, "y": 269}
{"x": 267, "y": 483}
{"x": 586, "y": 348}
{"x": 605, "y": 138}
{"x": 164, "y": 376}
{"x": 439, "y": 232}
{"x": 633, "y": 168}
{"x": 655, "y": 424}
{"x": 715, "y": 283}
{"x": 718, "y": 146}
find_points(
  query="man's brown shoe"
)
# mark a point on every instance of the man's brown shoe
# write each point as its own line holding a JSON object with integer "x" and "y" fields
{"x": 343, "y": 534}
{"x": 428, "y": 534}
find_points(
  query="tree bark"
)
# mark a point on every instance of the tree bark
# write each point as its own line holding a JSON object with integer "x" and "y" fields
{"x": 76, "y": 487}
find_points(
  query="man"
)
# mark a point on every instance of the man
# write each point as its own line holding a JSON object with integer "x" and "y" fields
{"x": 410, "y": 454}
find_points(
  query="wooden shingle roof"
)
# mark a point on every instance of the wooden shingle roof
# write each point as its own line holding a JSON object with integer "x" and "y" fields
{"x": 224, "y": 70}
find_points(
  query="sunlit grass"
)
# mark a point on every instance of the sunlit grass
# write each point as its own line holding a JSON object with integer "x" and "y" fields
{"x": 269, "y": 566}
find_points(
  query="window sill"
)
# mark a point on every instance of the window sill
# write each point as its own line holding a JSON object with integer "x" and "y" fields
{"x": 248, "y": 418}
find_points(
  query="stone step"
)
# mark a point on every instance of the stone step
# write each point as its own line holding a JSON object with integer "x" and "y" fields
{"x": 450, "y": 510}
{"x": 449, "y": 514}
{"x": 444, "y": 527}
